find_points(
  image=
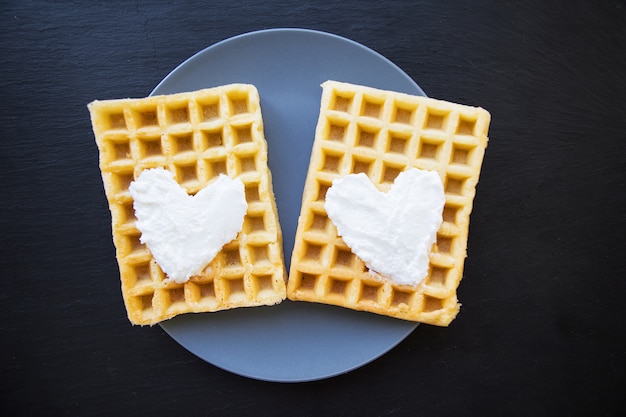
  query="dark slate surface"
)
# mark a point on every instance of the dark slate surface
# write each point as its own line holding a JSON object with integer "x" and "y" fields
{"x": 541, "y": 331}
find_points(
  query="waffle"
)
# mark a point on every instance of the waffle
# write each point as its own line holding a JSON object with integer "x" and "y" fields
{"x": 196, "y": 136}
{"x": 382, "y": 133}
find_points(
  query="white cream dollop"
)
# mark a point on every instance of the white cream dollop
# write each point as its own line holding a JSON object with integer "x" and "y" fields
{"x": 391, "y": 232}
{"x": 184, "y": 232}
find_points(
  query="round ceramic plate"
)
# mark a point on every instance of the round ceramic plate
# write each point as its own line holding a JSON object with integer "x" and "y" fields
{"x": 293, "y": 341}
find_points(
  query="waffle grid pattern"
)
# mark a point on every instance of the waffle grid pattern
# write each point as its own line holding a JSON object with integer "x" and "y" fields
{"x": 381, "y": 134}
{"x": 197, "y": 136}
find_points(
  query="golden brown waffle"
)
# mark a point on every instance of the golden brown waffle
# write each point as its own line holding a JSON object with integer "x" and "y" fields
{"x": 382, "y": 133}
{"x": 196, "y": 136}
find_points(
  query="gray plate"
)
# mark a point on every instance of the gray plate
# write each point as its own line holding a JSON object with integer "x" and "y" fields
{"x": 294, "y": 341}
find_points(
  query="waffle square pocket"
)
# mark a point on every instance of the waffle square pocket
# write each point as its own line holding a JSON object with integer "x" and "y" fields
{"x": 197, "y": 137}
{"x": 381, "y": 134}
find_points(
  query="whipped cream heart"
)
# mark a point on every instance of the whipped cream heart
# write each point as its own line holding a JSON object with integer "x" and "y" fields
{"x": 184, "y": 232}
{"x": 391, "y": 232}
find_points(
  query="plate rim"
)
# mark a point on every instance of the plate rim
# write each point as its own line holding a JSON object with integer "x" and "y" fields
{"x": 287, "y": 30}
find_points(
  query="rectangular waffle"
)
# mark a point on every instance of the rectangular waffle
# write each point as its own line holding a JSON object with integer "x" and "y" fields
{"x": 197, "y": 136}
{"x": 382, "y": 133}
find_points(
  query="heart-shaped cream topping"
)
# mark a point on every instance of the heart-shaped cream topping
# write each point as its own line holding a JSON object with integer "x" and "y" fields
{"x": 391, "y": 232}
{"x": 183, "y": 232}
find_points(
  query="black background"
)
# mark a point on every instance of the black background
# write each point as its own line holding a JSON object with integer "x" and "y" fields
{"x": 541, "y": 330}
